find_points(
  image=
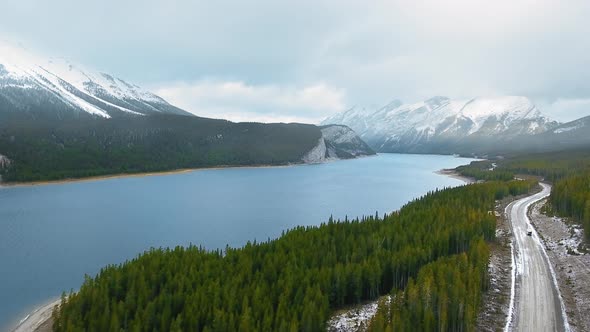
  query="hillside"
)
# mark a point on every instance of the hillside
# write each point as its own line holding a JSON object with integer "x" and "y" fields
{"x": 60, "y": 120}
{"x": 39, "y": 88}
{"x": 53, "y": 150}
{"x": 285, "y": 285}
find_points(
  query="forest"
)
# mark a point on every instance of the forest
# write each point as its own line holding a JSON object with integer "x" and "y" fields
{"x": 570, "y": 197}
{"x": 60, "y": 149}
{"x": 568, "y": 171}
{"x": 445, "y": 295}
{"x": 435, "y": 244}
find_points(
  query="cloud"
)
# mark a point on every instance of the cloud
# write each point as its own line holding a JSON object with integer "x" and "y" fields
{"x": 238, "y": 101}
{"x": 371, "y": 52}
{"x": 566, "y": 109}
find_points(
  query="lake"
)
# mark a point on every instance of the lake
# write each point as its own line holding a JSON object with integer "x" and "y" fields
{"x": 51, "y": 235}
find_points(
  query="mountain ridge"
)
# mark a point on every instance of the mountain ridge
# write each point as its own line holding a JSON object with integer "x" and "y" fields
{"x": 28, "y": 83}
{"x": 59, "y": 120}
{"x": 430, "y": 125}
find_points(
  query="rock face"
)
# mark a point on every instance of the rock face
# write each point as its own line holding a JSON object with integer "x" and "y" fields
{"x": 68, "y": 119}
{"x": 344, "y": 142}
{"x": 337, "y": 142}
{"x": 4, "y": 162}
{"x": 442, "y": 125}
{"x": 39, "y": 88}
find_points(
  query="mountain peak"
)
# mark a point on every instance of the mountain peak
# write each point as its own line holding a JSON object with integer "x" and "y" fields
{"x": 394, "y": 104}
{"x": 416, "y": 127}
{"x": 29, "y": 83}
{"x": 437, "y": 101}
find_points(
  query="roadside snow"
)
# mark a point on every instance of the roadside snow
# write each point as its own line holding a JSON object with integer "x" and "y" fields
{"x": 570, "y": 264}
{"x": 512, "y": 290}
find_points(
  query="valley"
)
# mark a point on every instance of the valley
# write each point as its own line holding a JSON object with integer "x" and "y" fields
{"x": 55, "y": 234}
{"x": 208, "y": 166}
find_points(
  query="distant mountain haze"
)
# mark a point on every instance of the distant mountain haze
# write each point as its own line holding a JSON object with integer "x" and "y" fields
{"x": 42, "y": 91}
{"x": 442, "y": 125}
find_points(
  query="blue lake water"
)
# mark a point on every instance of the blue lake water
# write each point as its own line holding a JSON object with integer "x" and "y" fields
{"x": 51, "y": 235}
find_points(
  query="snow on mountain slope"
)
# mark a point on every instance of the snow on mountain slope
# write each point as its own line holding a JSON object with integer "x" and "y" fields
{"x": 572, "y": 126}
{"x": 345, "y": 142}
{"x": 29, "y": 82}
{"x": 425, "y": 126}
{"x": 508, "y": 109}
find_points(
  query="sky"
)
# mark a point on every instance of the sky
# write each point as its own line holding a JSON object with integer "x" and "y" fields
{"x": 301, "y": 61}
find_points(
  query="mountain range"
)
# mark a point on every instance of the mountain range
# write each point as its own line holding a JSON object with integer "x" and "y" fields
{"x": 476, "y": 126}
{"x": 61, "y": 120}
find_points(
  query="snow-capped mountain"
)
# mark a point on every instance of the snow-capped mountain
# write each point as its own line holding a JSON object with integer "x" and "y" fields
{"x": 439, "y": 123}
{"x": 39, "y": 87}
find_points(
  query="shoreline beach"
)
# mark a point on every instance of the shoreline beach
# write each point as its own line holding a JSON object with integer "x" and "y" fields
{"x": 130, "y": 175}
{"x": 39, "y": 320}
{"x": 455, "y": 175}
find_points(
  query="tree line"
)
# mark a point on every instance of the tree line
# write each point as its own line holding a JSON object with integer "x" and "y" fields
{"x": 54, "y": 149}
{"x": 570, "y": 197}
{"x": 445, "y": 296}
{"x": 569, "y": 171}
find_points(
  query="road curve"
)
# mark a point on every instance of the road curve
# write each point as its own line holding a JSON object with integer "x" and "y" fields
{"x": 536, "y": 300}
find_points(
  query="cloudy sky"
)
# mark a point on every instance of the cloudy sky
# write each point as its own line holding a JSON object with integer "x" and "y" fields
{"x": 269, "y": 60}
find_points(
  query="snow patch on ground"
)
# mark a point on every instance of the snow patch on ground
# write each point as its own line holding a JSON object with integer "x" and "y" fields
{"x": 356, "y": 319}
{"x": 570, "y": 264}
{"x": 512, "y": 290}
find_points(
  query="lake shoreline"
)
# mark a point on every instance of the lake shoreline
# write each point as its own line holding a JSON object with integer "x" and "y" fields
{"x": 452, "y": 173}
{"x": 39, "y": 320}
{"x": 447, "y": 172}
{"x": 44, "y": 309}
{"x": 134, "y": 175}
{"x": 162, "y": 173}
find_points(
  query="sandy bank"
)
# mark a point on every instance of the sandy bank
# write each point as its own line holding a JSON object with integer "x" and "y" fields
{"x": 455, "y": 175}
{"x": 37, "y": 320}
{"x": 129, "y": 175}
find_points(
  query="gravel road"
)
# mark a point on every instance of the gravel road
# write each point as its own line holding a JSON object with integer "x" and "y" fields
{"x": 537, "y": 301}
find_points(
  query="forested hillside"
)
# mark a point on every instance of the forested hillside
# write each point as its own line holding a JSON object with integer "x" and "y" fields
{"x": 570, "y": 197}
{"x": 445, "y": 296}
{"x": 569, "y": 171}
{"x": 293, "y": 283}
{"x": 53, "y": 150}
